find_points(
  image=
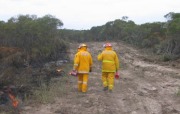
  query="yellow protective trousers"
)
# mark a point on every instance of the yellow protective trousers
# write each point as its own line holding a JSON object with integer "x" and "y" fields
{"x": 82, "y": 82}
{"x": 108, "y": 79}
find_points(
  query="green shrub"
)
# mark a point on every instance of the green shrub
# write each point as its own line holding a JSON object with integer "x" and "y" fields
{"x": 166, "y": 57}
{"x": 178, "y": 93}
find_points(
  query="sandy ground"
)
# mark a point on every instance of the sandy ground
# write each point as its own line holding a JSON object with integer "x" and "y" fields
{"x": 145, "y": 87}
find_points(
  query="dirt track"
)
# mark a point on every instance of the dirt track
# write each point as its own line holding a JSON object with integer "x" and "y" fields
{"x": 144, "y": 88}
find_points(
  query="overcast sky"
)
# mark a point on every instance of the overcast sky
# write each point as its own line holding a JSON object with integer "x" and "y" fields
{"x": 84, "y": 14}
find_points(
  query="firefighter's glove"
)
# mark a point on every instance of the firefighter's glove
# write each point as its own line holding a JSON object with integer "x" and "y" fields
{"x": 90, "y": 69}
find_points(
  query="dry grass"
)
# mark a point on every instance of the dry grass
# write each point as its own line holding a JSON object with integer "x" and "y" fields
{"x": 48, "y": 94}
{"x": 58, "y": 87}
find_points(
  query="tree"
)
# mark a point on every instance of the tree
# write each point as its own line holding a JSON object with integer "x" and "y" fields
{"x": 124, "y": 18}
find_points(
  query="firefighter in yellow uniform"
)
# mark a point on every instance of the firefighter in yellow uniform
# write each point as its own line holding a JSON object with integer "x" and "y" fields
{"x": 110, "y": 65}
{"x": 82, "y": 64}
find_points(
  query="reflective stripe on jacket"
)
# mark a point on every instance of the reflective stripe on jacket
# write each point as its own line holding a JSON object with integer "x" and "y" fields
{"x": 110, "y": 61}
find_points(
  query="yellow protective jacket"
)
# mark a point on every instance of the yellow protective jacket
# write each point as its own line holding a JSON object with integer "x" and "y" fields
{"x": 110, "y": 61}
{"x": 82, "y": 61}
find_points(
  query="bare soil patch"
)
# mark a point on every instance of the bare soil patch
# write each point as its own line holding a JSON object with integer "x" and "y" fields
{"x": 145, "y": 87}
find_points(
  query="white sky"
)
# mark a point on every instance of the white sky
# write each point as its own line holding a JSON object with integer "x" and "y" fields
{"x": 84, "y": 14}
